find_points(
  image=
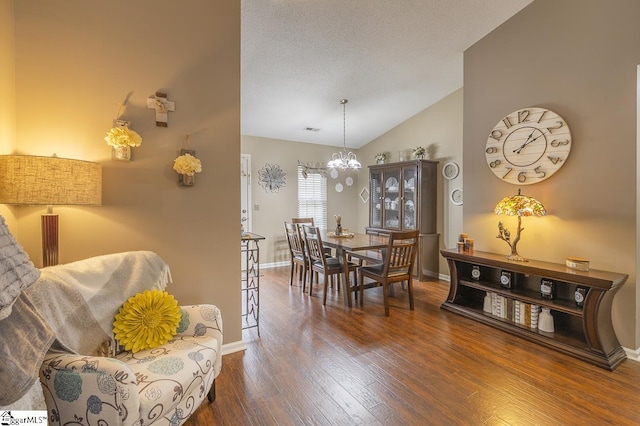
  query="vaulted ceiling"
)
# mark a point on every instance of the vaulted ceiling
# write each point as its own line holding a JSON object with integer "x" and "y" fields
{"x": 390, "y": 58}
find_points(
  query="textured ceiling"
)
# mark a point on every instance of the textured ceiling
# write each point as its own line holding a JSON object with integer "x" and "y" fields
{"x": 390, "y": 58}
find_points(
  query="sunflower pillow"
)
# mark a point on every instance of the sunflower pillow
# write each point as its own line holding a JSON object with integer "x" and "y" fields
{"x": 147, "y": 320}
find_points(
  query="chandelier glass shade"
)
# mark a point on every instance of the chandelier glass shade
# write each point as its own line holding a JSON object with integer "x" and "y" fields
{"x": 344, "y": 159}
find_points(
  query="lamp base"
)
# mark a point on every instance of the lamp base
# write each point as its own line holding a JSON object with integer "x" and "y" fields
{"x": 516, "y": 257}
{"x": 49, "y": 240}
{"x": 503, "y": 234}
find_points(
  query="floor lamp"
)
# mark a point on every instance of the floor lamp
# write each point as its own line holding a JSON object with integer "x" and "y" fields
{"x": 33, "y": 180}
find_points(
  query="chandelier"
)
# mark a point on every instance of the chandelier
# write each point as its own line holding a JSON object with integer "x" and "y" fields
{"x": 343, "y": 159}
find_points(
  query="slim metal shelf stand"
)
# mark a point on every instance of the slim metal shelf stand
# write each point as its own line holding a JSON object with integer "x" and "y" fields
{"x": 250, "y": 286}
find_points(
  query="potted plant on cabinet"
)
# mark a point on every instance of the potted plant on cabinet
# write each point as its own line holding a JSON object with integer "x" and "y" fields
{"x": 419, "y": 152}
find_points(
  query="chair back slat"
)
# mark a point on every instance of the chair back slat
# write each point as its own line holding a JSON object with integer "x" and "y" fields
{"x": 401, "y": 253}
{"x": 314, "y": 243}
{"x": 303, "y": 220}
{"x": 399, "y": 257}
{"x": 300, "y": 222}
{"x": 293, "y": 237}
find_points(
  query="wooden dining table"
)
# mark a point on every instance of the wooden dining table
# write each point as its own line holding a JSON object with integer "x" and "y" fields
{"x": 354, "y": 244}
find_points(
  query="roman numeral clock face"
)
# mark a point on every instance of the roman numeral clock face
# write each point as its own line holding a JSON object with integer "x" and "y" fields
{"x": 528, "y": 146}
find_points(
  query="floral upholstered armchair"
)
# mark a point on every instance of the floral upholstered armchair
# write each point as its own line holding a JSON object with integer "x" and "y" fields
{"x": 154, "y": 386}
{"x": 88, "y": 378}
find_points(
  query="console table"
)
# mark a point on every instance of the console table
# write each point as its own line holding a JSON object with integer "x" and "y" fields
{"x": 250, "y": 286}
{"x": 583, "y": 330}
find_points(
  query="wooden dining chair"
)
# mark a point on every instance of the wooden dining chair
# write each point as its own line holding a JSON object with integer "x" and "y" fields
{"x": 399, "y": 258}
{"x": 328, "y": 266}
{"x": 299, "y": 258}
{"x": 299, "y": 221}
{"x": 303, "y": 220}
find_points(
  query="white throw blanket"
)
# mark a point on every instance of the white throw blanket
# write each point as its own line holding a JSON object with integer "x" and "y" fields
{"x": 24, "y": 341}
{"x": 16, "y": 270}
{"x": 103, "y": 283}
{"x": 77, "y": 303}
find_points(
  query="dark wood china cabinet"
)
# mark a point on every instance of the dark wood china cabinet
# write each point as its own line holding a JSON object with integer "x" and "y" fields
{"x": 403, "y": 198}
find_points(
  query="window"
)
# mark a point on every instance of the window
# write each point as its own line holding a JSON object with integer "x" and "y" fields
{"x": 312, "y": 197}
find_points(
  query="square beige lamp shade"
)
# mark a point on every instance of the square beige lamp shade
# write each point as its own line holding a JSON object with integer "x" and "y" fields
{"x": 33, "y": 180}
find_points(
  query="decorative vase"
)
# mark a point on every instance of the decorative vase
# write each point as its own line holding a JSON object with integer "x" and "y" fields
{"x": 419, "y": 156}
{"x": 122, "y": 153}
{"x": 187, "y": 180}
{"x": 380, "y": 161}
{"x": 487, "y": 304}
{"x": 545, "y": 321}
{"x": 404, "y": 155}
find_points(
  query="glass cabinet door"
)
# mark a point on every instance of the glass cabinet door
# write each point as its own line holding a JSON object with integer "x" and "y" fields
{"x": 409, "y": 198}
{"x": 376, "y": 199}
{"x": 392, "y": 199}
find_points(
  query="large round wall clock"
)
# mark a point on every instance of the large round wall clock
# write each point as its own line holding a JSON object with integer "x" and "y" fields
{"x": 528, "y": 146}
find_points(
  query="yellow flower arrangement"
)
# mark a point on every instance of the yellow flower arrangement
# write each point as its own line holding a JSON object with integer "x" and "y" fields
{"x": 121, "y": 136}
{"x": 187, "y": 164}
{"x": 147, "y": 320}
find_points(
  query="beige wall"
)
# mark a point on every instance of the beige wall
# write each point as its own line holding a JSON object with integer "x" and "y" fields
{"x": 278, "y": 207}
{"x": 7, "y": 89}
{"x": 438, "y": 127}
{"x": 578, "y": 58}
{"x": 76, "y": 61}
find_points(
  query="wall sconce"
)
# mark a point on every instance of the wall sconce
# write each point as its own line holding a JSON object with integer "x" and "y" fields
{"x": 517, "y": 205}
{"x": 33, "y": 180}
{"x": 187, "y": 165}
{"x": 121, "y": 137}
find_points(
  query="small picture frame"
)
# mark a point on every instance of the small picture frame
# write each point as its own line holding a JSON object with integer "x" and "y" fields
{"x": 506, "y": 279}
{"x": 547, "y": 289}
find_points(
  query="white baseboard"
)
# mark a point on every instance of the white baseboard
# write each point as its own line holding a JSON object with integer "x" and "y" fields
{"x": 232, "y": 347}
{"x": 633, "y": 355}
{"x": 274, "y": 264}
{"x": 442, "y": 277}
{"x": 229, "y": 348}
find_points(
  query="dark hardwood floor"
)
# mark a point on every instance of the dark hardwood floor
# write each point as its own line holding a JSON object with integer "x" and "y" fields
{"x": 338, "y": 366}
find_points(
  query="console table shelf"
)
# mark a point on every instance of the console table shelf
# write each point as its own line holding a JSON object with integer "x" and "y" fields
{"x": 585, "y": 332}
{"x": 524, "y": 295}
